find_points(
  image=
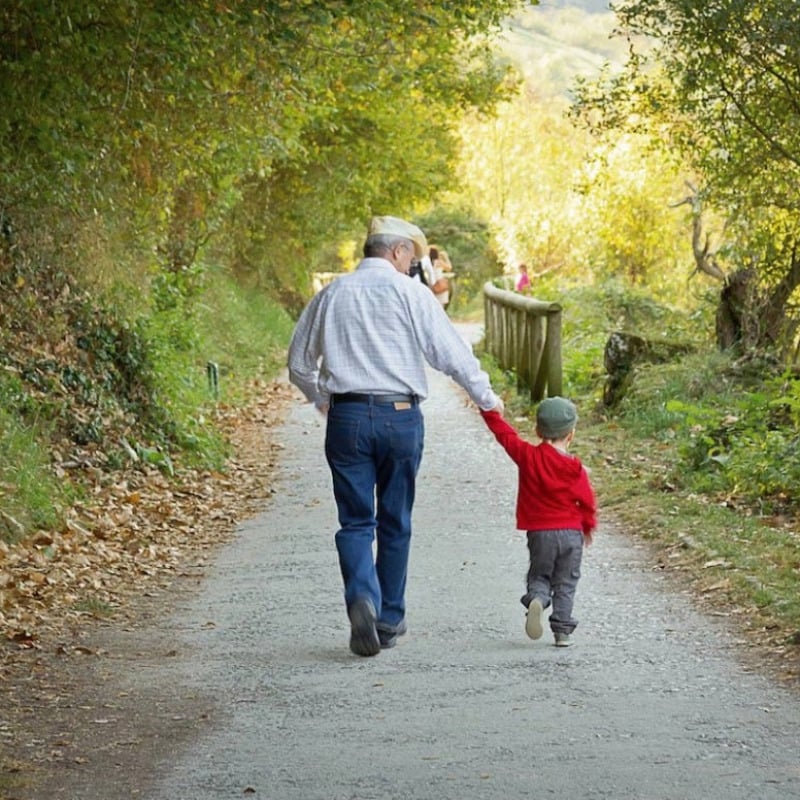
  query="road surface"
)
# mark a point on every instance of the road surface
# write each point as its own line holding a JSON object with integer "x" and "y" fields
{"x": 248, "y": 688}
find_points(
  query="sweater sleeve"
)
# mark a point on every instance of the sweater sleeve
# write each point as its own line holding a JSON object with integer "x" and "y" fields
{"x": 505, "y": 434}
{"x": 587, "y": 503}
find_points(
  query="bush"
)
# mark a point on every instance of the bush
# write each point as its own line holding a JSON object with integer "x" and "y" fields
{"x": 743, "y": 446}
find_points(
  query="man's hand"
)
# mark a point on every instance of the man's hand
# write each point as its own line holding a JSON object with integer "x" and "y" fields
{"x": 500, "y": 407}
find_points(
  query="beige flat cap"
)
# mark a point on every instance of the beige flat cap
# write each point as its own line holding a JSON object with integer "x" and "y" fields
{"x": 394, "y": 226}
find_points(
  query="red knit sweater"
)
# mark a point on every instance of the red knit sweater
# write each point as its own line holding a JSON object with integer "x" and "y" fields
{"x": 554, "y": 491}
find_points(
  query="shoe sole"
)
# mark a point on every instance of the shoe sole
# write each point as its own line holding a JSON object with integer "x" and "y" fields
{"x": 533, "y": 622}
{"x": 363, "y": 634}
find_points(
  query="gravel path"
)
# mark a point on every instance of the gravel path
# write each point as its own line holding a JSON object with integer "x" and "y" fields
{"x": 260, "y": 696}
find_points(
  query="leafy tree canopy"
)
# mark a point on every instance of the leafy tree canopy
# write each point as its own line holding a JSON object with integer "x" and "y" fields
{"x": 734, "y": 70}
{"x": 167, "y": 117}
{"x": 720, "y": 82}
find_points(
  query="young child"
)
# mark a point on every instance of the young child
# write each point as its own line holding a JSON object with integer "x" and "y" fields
{"x": 556, "y": 505}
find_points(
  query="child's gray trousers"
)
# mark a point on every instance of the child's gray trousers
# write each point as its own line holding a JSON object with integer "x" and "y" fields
{"x": 553, "y": 574}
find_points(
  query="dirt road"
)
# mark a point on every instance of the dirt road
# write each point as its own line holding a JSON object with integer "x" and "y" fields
{"x": 248, "y": 688}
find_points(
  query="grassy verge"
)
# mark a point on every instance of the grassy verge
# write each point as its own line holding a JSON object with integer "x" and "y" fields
{"x": 86, "y": 391}
{"x": 30, "y": 496}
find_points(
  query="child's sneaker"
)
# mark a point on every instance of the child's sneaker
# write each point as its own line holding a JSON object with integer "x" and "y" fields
{"x": 562, "y": 640}
{"x": 533, "y": 622}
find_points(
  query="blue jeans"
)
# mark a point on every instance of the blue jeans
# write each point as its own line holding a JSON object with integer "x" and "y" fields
{"x": 374, "y": 452}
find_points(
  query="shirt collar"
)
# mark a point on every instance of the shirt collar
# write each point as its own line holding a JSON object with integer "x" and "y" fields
{"x": 376, "y": 263}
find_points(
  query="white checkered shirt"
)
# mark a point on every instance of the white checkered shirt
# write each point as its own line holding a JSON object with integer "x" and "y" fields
{"x": 371, "y": 332}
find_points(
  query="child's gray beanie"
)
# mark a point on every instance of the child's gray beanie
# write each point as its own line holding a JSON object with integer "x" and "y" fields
{"x": 555, "y": 417}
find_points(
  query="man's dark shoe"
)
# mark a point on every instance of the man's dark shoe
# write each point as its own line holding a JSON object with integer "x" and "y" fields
{"x": 388, "y": 634}
{"x": 363, "y": 633}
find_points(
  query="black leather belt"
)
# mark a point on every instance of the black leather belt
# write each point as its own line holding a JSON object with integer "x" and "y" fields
{"x": 352, "y": 397}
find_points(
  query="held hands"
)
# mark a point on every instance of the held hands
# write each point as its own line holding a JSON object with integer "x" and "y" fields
{"x": 500, "y": 407}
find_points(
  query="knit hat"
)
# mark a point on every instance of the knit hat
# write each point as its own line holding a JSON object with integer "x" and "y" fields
{"x": 394, "y": 226}
{"x": 555, "y": 417}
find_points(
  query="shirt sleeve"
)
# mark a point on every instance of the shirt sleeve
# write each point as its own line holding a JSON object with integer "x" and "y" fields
{"x": 305, "y": 352}
{"x": 445, "y": 350}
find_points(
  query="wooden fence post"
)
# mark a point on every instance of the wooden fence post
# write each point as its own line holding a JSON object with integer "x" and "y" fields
{"x": 524, "y": 334}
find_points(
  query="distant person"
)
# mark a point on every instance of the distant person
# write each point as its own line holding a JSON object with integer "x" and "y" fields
{"x": 359, "y": 353}
{"x": 523, "y": 281}
{"x": 441, "y": 265}
{"x": 556, "y": 506}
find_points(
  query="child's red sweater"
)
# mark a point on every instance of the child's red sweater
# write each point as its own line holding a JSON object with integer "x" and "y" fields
{"x": 554, "y": 491}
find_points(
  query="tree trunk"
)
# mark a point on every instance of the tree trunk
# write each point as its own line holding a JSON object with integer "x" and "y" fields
{"x": 735, "y": 304}
{"x": 624, "y": 351}
{"x": 752, "y": 320}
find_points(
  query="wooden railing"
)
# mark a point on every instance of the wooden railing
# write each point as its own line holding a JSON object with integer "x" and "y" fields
{"x": 524, "y": 335}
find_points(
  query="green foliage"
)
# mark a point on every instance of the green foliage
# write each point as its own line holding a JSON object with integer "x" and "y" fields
{"x": 139, "y": 144}
{"x": 29, "y": 494}
{"x": 724, "y": 428}
{"x": 718, "y": 84}
{"x": 86, "y": 383}
{"x": 244, "y": 333}
{"x": 591, "y": 313}
{"x": 723, "y": 431}
{"x": 743, "y": 445}
{"x": 573, "y": 208}
{"x": 734, "y": 69}
{"x": 100, "y": 609}
{"x": 531, "y": 220}
{"x": 262, "y": 130}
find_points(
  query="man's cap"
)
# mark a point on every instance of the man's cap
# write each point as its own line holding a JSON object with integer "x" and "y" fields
{"x": 394, "y": 226}
{"x": 555, "y": 417}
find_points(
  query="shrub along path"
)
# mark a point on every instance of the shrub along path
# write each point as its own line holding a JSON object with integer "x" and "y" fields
{"x": 230, "y": 675}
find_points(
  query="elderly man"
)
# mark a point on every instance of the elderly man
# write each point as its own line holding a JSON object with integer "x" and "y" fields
{"x": 358, "y": 353}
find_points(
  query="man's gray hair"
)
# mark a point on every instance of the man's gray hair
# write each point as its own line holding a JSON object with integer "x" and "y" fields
{"x": 379, "y": 243}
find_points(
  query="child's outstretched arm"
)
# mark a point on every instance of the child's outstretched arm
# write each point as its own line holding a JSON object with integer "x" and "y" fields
{"x": 505, "y": 434}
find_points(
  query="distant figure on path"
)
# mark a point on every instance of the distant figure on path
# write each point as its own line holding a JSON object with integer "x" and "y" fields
{"x": 556, "y": 505}
{"x": 358, "y": 353}
{"x": 523, "y": 281}
{"x": 441, "y": 265}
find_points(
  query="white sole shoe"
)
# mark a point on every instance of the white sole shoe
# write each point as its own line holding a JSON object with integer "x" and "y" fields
{"x": 533, "y": 622}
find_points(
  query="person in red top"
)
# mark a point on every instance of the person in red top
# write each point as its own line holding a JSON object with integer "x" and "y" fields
{"x": 556, "y": 505}
{"x": 523, "y": 281}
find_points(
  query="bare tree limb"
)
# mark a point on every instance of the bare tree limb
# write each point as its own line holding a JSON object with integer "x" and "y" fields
{"x": 705, "y": 259}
